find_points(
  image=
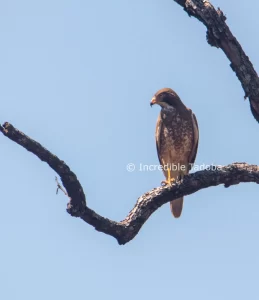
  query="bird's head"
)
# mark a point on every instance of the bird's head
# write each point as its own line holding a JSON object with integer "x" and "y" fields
{"x": 166, "y": 98}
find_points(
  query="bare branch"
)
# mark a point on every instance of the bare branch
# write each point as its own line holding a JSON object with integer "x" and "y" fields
{"x": 147, "y": 204}
{"x": 220, "y": 36}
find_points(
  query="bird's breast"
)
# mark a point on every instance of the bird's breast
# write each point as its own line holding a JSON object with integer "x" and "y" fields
{"x": 176, "y": 132}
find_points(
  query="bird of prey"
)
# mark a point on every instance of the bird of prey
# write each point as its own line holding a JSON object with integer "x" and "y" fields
{"x": 177, "y": 137}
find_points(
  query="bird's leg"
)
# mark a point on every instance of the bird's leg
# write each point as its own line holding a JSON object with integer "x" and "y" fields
{"x": 180, "y": 176}
{"x": 169, "y": 180}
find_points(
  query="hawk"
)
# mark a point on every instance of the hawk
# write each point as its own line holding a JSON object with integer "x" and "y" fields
{"x": 177, "y": 137}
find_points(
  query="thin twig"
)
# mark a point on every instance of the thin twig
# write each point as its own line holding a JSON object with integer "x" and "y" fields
{"x": 59, "y": 187}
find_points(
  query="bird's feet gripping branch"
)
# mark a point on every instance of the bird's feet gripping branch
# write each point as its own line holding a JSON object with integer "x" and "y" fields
{"x": 171, "y": 180}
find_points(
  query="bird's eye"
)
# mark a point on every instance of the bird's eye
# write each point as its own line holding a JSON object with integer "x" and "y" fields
{"x": 162, "y": 97}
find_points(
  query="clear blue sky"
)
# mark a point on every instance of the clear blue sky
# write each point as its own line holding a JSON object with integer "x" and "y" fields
{"x": 78, "y": 76}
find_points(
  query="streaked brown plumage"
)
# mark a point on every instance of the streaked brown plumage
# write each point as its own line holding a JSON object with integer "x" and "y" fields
{"x": 177, "y": 137}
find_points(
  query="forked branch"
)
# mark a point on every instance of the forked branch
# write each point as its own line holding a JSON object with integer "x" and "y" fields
{"x": 218, "y": 35}
{"x": 147, "y": 204}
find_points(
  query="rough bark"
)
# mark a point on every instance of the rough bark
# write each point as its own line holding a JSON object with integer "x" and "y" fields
{"x": 220, "y": 36}
{"x": 124, "y": 231}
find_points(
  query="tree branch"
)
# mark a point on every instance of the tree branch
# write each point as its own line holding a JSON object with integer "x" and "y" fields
{"x": 220, "y": 36}
{"x": 147, "y": 204}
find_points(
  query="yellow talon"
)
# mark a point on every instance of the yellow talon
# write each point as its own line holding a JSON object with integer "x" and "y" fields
{"x": 169, "y": 180}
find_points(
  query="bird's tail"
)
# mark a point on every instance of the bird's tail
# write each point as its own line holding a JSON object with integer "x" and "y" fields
{"x": 176, "y": 207}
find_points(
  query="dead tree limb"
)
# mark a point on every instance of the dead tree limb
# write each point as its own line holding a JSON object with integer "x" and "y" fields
{"x": 147, "y": 204}
{"x": 220, "y": 36}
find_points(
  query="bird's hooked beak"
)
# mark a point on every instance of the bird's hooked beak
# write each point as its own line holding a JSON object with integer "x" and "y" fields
{"x": 153, "y": 101}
